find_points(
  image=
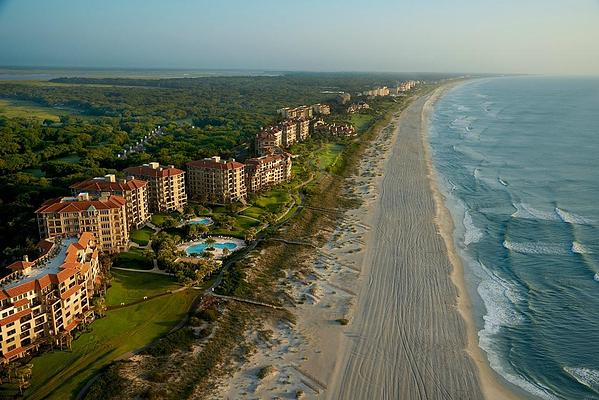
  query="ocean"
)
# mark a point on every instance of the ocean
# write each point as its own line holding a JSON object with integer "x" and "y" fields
{"x": 518, "y": 162}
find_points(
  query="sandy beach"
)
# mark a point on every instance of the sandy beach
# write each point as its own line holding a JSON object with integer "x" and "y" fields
{"x": 381, "y": 310}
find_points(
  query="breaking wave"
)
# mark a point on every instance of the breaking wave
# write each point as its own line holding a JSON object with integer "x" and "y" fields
{"x": 571, "y": 218}
{"x": 525, "y": 211}
{"x": 586, "y": 376}
{"x": 536, "y": 248}
{"x": 579, "y": 248}
{"x": 472, "y": 233}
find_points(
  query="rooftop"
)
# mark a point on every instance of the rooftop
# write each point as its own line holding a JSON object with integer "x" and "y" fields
{"x": 50, "y": 266}
{"x": 155, "y": 170}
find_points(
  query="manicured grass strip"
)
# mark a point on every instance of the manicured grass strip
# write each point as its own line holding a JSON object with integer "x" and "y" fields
{"x": 142, "y": 236}
{"x": 328, "y": 155}
{"x": 60, "y": 374}
{"x": 133, "y": 259}
{"x": 128, "y": 286}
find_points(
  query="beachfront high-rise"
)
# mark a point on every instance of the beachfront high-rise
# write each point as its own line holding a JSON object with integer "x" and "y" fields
{"x": 48, "y": 297}
{"x": 134, "y": 191}
{"x": 264, "y": 172}
{"x": 104, "y": 216}
{"x": 166, "y": 186}
{"x": 216, "y": 181}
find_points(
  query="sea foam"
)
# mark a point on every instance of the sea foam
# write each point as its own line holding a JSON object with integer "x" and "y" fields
{"x": 472, "y": 233}
{"x": 571, "y": 218}
{"x": 525, "y": 211}
{"x": 501, "y": 298}
{"x": 586, "y": 376}
{"x": 579, "y": 248}
{"x": 536, "y": 248}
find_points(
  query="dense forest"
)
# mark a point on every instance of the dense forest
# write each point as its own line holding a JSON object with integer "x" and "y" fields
{"x": 39, "y": 159}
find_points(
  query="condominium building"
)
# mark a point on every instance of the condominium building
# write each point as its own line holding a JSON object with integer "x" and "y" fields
{"x": 166, "y": 186}
{"x": 268, "y": 138}
{"x": 323, "y": 109}
{"x": 380, "y": 91}
{"x": 267, "y": 171}
{"x": 134, "y": 191}
{"x": 45, "y": 299}
{"x": 303, "y": 131}
{"x": 216, "y": 181}
{"x": 104, "y": 216}
{"x": 297, "y": 112}
{"x": 289, "y": 130}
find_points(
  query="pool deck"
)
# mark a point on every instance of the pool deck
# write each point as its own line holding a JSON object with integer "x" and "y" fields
{"x": 218, "y": 253}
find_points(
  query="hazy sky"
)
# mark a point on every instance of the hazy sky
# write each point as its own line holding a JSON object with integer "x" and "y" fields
{"x": 530, "y": 36}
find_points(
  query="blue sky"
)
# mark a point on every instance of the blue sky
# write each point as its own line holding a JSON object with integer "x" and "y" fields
{"x": 531, "y": 36}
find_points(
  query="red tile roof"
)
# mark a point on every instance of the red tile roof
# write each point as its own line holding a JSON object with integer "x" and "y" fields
{"x": 68, "y": 204}
{"x": 20, "y": 265}
{"x": 101, "y": 185}
{"x": 15, "y": 317}
{"x": 12, "y": 353}
{"x": 21, "y": 302}
{"x": 20, "y": 289}
{"x": 70, "y": 292}
{"x": 155, "y": 173}
{"x": 71, "y": 326}
{"x": 211, "y": 164}
{"x": 65, "y": 274}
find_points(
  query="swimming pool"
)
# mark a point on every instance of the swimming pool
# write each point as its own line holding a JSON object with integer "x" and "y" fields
{"x": 200, "y": 221}
{"x": 198, "y": 248}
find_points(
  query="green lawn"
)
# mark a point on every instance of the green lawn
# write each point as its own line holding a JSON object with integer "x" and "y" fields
{"x": 158, "y": 219}
{"x": 254, "y": 212}
{"x": 60, "y": 374}
{"x": 133, "y": 259}
{"x": 128, "y": 286}
{"x": 361, "y": 121}
{"x": 273, "y": 200}
{"x": 25, "y": 109}
{"x": 328, "y": 155}
{"x": 242, "y": 223}
{"x": 142, "y": 236}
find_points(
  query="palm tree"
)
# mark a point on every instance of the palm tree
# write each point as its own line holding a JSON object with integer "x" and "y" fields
{"x": 100, "y": 306}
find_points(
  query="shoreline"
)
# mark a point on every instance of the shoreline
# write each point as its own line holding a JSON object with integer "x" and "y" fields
{"x": 381, "y": 310}
{"x": 490, "y": 384}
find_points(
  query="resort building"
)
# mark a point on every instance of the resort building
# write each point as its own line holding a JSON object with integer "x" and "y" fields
{"x": 289, "y": 129}
{"x": 323, "y": 109}
{"x": 267, "y": 139}
{"x": 380, "y": 91}
{"x": 166, "y": 186}
{"x": 297, "y": 112}
{"x": 216, "y": 181}
{"x": 405, "y": 86}
{"x": 104, "y": 216}
{"x": 357, "y": 107}
{"x": 267, "y": 171}
{"x": 303, "y": 131}
{"x": 45, "y": 299}
{"x": 323, "y": 128}
{"x": 134, "y": 191}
